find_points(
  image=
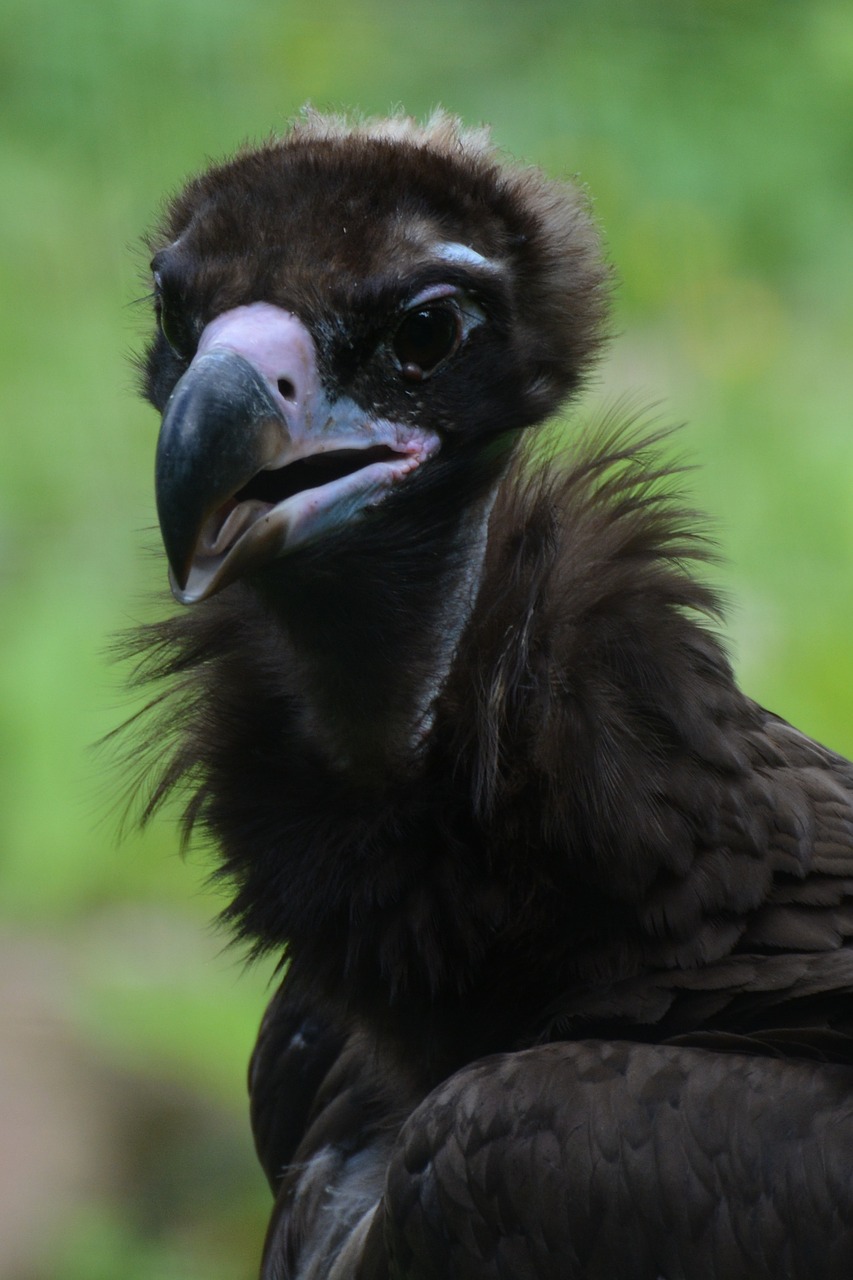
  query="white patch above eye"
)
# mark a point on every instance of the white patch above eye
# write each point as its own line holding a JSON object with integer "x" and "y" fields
{"x": 462, "y": 254}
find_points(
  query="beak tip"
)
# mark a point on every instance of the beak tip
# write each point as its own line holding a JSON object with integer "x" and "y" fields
{"x": 178, "y": 586}
{"x": 212, "y": 440}
{"x": 177, "y": 581}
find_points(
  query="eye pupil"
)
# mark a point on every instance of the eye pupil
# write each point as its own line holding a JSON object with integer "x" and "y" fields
{"x": 168, "y": 317}
{"x": 171, "y": 331}
{"x": 426, "y": 337}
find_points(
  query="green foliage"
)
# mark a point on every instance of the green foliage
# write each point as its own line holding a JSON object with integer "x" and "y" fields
{"x": 717, "y": 140}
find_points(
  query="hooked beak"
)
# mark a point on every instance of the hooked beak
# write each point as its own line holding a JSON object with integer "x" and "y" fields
{"x": 254, "y": 461}
{"x": 220, "y": 427}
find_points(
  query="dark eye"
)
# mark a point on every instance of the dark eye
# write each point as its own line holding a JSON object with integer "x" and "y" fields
{"x": 172, "y": 326}
{"x": 425, "y": 337}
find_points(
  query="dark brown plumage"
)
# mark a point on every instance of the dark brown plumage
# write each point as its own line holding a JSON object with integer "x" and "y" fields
{"x": 470, "y": 756}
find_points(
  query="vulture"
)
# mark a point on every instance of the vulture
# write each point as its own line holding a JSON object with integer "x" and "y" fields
{"x": 564, "y": 918}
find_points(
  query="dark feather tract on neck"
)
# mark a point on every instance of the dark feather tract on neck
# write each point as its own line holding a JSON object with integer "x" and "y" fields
{"x": 566, "y": 918}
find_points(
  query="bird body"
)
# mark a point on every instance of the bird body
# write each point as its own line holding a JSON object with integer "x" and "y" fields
{"x": 567, "y": 917}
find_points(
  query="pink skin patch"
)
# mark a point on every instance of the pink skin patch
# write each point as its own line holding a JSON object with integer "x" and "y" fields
{"x": 276, "y": 342}
{"x": 325, "y": 437}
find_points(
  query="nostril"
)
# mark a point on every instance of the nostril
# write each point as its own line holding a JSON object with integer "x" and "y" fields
{"x": 286, "y": 389}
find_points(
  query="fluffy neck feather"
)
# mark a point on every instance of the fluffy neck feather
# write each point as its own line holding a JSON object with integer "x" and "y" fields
{"x": 371, "y": 641}
{"x": 472, "y": 868}
{"x": 369, "y": 622}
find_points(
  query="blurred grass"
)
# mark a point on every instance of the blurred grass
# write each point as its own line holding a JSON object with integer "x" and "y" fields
{"x": 717, "y": 140}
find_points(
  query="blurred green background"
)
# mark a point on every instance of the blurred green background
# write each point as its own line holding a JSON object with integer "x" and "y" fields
{"x": 717, "y": 140}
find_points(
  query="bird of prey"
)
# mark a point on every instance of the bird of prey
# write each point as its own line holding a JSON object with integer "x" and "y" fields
{"x": 565, "y": 917}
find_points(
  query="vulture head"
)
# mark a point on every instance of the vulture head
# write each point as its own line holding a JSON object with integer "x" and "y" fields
{"x": 353, "y": 326}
